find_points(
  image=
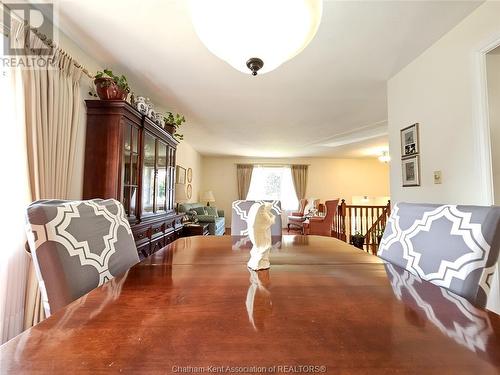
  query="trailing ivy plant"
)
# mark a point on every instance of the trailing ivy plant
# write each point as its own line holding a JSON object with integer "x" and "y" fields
{"x": 176, "y": 121}
{"x": 121, "y": 81}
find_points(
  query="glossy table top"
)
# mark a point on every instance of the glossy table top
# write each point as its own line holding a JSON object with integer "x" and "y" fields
{"x": 322, "y": 303}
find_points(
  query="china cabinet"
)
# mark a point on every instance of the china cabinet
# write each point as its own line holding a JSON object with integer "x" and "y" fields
{"x": 130, "y": 158}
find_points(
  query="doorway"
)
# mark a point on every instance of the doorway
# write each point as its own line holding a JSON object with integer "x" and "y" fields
{"x": 493, "y": 94}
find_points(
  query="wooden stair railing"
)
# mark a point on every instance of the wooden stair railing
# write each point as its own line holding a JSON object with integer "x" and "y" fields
{"x": 366, "y": 220}
{"x": 373, "y": 234}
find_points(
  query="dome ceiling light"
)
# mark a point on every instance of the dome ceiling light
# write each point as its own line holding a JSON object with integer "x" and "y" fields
{"x": 256, "y": 36}
{"x": 384, "y": 157}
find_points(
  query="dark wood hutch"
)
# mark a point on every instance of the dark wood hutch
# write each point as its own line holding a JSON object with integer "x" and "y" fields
{"x": 131, "y": 159}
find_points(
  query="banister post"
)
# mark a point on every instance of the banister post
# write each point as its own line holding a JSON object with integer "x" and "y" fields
{"x": 342, "y": 213}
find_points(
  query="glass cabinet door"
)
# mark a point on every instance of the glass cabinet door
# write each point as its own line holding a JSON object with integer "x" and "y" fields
{"x": 148, "y": 174}
{"x": 130, "y": 168}
{"x": 161, "y": 177}
{"x": 171, "y": 179}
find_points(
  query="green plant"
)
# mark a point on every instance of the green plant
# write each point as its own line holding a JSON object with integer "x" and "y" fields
{"x": 175, "y": 121}
{"x": 120, "y": 81}
{"x": 357, "y": 234}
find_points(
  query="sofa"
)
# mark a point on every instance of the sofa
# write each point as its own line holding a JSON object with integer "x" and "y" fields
{"x": 215, "y": 219}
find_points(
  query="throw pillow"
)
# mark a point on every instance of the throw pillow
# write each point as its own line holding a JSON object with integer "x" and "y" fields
{"x": 200, "y": 210}
{"x": 212, "y": 211}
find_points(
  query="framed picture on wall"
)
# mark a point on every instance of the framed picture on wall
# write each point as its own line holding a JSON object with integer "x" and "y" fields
{"x": 180, "y": 175}
{"x": 411, "y": 171}
{"x": 409, "y": 141}
{"x": 190, "y": 175}
{"x": 189, "y": 191}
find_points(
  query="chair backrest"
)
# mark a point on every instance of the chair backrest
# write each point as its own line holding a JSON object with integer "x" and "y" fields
{"x": 240, "y": 215}
{"x": 455, "y": 247}
{"x": 323, "y": 226}
{"x": 77, "y": 246}
{"x": 331, "y": 209}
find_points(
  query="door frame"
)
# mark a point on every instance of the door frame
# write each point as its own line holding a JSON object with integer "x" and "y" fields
{"x": 482, "y": 120}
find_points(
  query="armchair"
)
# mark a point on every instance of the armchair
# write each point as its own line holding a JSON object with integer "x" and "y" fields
{"x": 216, "y": 223}
{"x": 322, "y": 226}
{"x": 296, "y": 219}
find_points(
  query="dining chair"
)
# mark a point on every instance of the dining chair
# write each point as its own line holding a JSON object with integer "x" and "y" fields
{"x": 77, "y": 246}
{"x": 239, "y": 217}
{"x": 455, "y": 247}
{"x": 322, "y": 225}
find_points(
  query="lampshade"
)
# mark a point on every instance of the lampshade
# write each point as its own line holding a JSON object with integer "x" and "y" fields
{"x": 208, "y": 196}
{"x": 180, "y": 193}
{"x": 273, "y": 31}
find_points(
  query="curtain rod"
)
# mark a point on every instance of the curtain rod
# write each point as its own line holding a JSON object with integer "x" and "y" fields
{"x": 45, "y": 40}
{"x": 273, "y": 164}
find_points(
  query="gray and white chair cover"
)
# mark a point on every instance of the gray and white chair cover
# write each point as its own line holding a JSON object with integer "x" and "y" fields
{"x": 239, "y": 217}
{"x": 452, "y": 246}
{"x": 77, "y": 246}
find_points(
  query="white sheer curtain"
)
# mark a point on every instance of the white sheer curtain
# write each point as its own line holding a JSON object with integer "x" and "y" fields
{"x": 14, "y": 188}
{"x": 274, "y": 183}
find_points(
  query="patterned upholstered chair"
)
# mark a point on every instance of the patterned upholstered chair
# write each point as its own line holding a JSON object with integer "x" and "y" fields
{"x": 455, "y": 247}
{"x": 240, "y": 214}
{"x": 77, "y": 246}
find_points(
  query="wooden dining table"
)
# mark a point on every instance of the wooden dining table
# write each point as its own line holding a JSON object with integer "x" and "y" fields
{"x": 323, "y": 307}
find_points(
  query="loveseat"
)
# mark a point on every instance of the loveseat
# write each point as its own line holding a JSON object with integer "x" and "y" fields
{"x": 214, "y": 218}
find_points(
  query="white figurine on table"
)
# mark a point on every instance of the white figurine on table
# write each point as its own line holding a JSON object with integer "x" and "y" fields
{"x": 260, "y": 219}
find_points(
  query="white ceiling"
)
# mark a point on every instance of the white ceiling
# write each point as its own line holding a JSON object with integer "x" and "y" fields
{"x": 313, "y": 105}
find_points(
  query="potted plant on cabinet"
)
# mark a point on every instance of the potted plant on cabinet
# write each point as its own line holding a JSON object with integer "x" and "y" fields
{"x": 110, "y": 86}
{"x": 173, "y": 123}
{"x": 358, "y": 240}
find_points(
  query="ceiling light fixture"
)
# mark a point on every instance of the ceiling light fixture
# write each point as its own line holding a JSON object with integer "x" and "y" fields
{"x": 384, "y": 157}
{"x": 256, "y": 37}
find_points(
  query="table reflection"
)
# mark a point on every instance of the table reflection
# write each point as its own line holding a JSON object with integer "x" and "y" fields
{"x": 453, "y": 315}
{"x": 258, "y": 301}
{"x": 244, "y": 242}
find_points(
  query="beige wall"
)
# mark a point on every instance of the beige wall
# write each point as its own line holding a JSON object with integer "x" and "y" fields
{"x": 438, "y": 90}
{"x": 493, "y": 74}
{"x": 328, "y": 178}
{"x": 188, "y": 157}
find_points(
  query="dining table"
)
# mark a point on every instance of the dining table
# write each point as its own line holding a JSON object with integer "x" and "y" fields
{"x": 323, "y": 306}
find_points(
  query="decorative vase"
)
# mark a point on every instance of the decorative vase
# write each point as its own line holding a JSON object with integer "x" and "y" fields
{"x": 140, "y": 104}
{"x": 107, "y": 89}
{"x": 158, "y": 119}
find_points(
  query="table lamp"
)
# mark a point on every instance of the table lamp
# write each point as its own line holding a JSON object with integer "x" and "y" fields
{"x": 180, "y": 194}
{"x": 208, "y": 196}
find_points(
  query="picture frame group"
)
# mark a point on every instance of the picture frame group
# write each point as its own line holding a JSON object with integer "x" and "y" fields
{"x": 410, "y": 155}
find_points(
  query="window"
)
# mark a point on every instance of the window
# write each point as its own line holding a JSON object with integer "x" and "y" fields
{"x": 273, "y": 183}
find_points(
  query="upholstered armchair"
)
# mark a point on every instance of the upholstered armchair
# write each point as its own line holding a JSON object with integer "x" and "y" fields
{"x": 302, "y": 207}
{"x": 322, "y": 225}
{"x": 296, "y": 219}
